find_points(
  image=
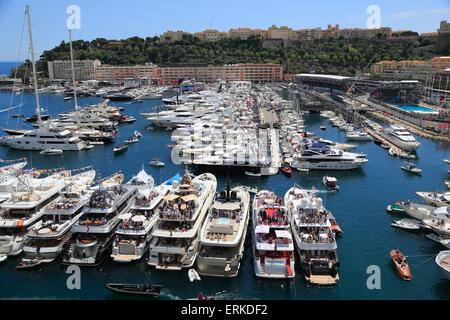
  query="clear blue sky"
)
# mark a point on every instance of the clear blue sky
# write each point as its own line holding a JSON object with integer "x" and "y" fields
{"x": 119, "y": 19}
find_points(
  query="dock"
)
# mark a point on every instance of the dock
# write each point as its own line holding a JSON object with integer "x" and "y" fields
{"x": 381, "y": 138}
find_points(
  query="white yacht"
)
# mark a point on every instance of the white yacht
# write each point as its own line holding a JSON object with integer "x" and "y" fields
{"x": 438, "y": 199}
{"x": 401, "y": 138}
{"x": 320, "y": 157}
{"x": 9, "y": 177}
{"x": 175, "y": 241}
{"x": 24, "y": 209}
{"x": 358, "y": 135}
{"x": 314, "y": 237}
{"x": 443, "y": 261}
{"x": 223, "y": 233}
{"x": 273, "y": 246}
{"x": 134, "y": 231}
{"x": 93, "y": 234}
{"x": 48, "y": 236}
{"x": 45, "y": 137}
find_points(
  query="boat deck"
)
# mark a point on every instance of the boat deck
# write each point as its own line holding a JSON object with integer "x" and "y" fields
{"x": 324, "y": 280}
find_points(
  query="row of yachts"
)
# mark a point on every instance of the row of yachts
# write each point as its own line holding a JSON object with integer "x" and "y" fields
{"x": 180, "y": 223}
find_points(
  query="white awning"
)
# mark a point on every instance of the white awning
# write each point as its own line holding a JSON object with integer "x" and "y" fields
{"x": 262, "y": 229}
{"x": 283, "y": 234}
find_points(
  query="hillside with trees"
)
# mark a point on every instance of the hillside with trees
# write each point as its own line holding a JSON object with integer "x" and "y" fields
{"x": 333, "y": 56}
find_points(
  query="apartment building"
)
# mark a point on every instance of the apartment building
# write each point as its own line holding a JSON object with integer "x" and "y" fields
{"x": 118, "y": 74}
{"x": 171, "y": 36}
{"x": 210, "y": 35}
{"x": 245, "y": 33}
{"x": 282, "y": 32}
{"x": 62, "y": 69}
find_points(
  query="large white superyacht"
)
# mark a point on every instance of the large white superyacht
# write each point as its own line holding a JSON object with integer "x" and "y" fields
{"x": 321, "y": 157}
{"x": 175, "y": 240}
{"x": 94, "y": 232}
{"x": 134, "y": 231}
{"x": 48, "y": 236}
{"x": 273, "y": 246}
{"x": 223, "y": 233}
{"x": 401, "y": 138}
{"x": 24, "y": 209}
{"x": 313, "y": 235}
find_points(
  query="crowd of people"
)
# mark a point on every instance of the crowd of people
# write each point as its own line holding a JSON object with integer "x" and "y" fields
{"x": 143, "y": 201}
{"x": 177, "y": 211}
{"x": 317, "y": 235}
{"x": 313, "y": 216}
{"x": 175, "y": 226}
{"x": 275, "y": 216}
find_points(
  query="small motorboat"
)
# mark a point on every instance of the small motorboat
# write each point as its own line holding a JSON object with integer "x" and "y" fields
{"x": 171, "y": 146}
{"x": 393, "y": 152}
{"x": 385, "y": 146}
{"x": 68, "y": 98}
{"x": 395, "y": 207}
{"x": 330, "y": 183}
{"x": 156, "y": 163}
{"x": 3, "y": 257}
{"x": 323, "y": 127}
{"x": 34, "y": 118}
{"x": 120, "y": 148}
{"x": 150, "y": 128}
{"x": 378, "y": 141}
{"x": 17, "y": 116}
{"x": 286, "y": 169}
{"x": 193, "y": 275}
{"x": 88, "y": 147}
{"x": 411, "y": 168}
{"x": 302, "y": 170}
{"x": 137, "y": 134}
{"x": 28, "y": 263}
{"x": 407, "y": 155}
{"x": 51, "y": 152}
{"x": 443, "y": 261}
{"x": 447, "y": 161}
{"x": 132, "y": 140}
{"x": 401, "y": 264}
{"x": 146, "y": 289}
{"x": 407, "y": 224}
{"x": 253, "y": 174}
{"x": 126, "y": 119}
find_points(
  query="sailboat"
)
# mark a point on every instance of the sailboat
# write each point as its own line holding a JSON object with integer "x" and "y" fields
{"x": 46, "y": 135}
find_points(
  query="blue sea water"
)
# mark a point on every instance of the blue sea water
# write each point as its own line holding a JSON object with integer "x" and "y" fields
{"x": 5, "y": 66}
{"x": 359, "y": 206}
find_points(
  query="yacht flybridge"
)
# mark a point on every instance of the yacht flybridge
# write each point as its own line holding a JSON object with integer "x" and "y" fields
{"x": 48, "y": 236}
{"x": 223, "y": 233}
{"x": 314, "y": 236}
{"x": 175, "y": 241}
{"x": 273, "y": 246}
{"x": 136, "y": 225}
{"x": 24, "y": 209}
{"x": 93, "y": 234}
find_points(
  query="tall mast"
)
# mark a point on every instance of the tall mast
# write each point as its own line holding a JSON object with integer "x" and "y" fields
{"x": 38, "y": 108}
{"x": 73, "y": 79}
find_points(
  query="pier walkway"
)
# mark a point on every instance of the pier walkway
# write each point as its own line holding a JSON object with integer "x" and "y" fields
{"x": 381, "y": 138}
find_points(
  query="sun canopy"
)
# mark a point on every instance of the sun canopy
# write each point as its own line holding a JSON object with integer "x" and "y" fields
{"x": 174, "y": 178}
{"x": 170, "y": 197}
{"x": 189, "y": 197}
{"x": 144, "y": 177}
{"x": 262, "y": 229}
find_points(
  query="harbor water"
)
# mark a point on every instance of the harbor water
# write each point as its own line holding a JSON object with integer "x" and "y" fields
{"x": 359, "y": 207}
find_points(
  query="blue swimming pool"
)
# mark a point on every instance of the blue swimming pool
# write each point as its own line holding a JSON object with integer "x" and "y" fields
{"x": 415, "y": 108}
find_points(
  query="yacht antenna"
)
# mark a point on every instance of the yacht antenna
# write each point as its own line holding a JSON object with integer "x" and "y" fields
{"x": 73, "y": 80}
{"x": 38, "y": 108}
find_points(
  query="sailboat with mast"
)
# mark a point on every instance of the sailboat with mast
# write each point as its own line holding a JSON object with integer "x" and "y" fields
{"x": 46, "y": 135}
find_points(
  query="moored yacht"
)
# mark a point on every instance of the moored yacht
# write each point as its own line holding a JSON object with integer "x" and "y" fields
{"x": 134, "y": 231}
{"x": 175, "y": 241}
{"x": 223, "y": 233}
{"x": 401, "y": 138}
{"x": 48, "y": 236}
{"x": 24, "y": 209}
{"x": 438, "y": 199}
{"x": 94, "y": 232}
{"x": 273, "y": 247}
{"x": 314, "y": 238}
